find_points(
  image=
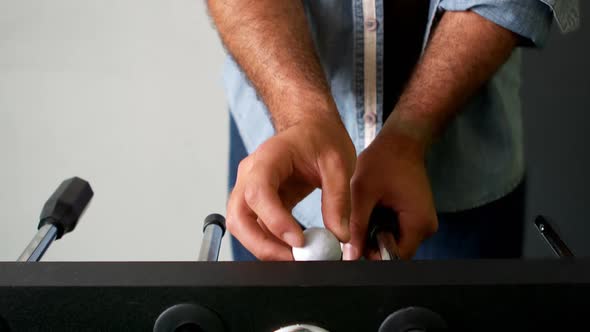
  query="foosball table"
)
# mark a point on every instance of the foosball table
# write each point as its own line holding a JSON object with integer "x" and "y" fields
{"x": 211, "y": 296}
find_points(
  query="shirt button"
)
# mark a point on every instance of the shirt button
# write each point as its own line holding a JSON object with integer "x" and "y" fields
{"x": 371, "y": 24}
{"x": 370, "y": 118}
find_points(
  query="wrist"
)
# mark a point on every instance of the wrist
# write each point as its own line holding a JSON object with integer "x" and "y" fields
{"x": 297, "y": 108}
{"x": 407, "y": 134}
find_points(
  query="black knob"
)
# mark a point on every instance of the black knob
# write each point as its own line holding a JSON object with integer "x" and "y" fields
{"x": 188, "y": 317}
{"x": 413, "y": 319}
{"x": 66, "y": 205}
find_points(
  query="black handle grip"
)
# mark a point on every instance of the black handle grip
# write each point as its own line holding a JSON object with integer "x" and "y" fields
{"x": 66, "y": 205}
{"x": 382, "y": 219}
{"x": 216, "y": 219}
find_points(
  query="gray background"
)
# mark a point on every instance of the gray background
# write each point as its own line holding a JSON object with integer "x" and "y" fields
{"x": 557, "y": 131}
{"x": 127, "y": 95}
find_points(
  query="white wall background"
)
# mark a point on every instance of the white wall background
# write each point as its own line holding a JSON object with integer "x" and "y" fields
{"x": 127, "y": 95}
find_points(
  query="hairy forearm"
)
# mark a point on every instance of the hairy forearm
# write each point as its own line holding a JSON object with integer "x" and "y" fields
{"x": 270, "y": 40}
{"x": 465, "y": 51}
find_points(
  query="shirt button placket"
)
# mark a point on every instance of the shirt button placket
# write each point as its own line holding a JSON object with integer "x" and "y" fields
{"x": 370, "y": 118}
{"x": 371, "y": 24}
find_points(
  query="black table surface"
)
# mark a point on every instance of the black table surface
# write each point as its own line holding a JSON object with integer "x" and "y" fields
{"x": 473, "y": 295}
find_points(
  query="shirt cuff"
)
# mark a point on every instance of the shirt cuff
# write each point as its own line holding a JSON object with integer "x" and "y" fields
{"x": 566, "y": 13}
{"x": 531, "y": 19}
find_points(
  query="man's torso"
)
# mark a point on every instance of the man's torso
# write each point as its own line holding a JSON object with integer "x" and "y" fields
{"x": 478, "y": 159}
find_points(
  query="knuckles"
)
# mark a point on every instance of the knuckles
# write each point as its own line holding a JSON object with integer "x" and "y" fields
{"x": 429, "y": 226}
{"x": 334, "y": 159}
{"x": 231, "y": 222}
{"x": 244, "y": 167}
{"x": 252, "y": 195}
{"x": 359, "y": 186}
{"x": 340, "y": 161}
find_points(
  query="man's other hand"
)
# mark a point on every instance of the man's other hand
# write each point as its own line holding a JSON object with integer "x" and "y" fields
{"x": 391, "y": 173}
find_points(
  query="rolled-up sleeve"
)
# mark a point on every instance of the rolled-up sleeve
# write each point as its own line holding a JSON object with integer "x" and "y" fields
{"x": 531, "y": 19}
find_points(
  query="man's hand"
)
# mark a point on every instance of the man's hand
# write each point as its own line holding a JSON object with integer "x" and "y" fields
{"x": 314, "y": 153}
{"x": 465, "y": 51}
{"x": 391, "y": 173}
{"x": 271, "y": 42}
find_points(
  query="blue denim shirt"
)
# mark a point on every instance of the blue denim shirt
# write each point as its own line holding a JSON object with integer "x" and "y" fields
{"x": 479, "y": 157}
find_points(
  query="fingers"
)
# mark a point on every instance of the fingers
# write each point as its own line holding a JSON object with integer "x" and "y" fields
{"x": 336, "y": 198}
{"x": 242, "y": 223}
{"x": 263, "y": 199}
{"x": 414, "y": 229}
{"x": 261, "y": 176}
{"x": 274, "y": 178}
{"x": 373, "y": 255}
{"x": 256, "y": 214}
{"x": 362, "y": 205}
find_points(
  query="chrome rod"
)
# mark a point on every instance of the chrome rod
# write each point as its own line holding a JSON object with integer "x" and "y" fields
{"x": 39, "y": 244}
{"x": 387, "y": 246}
{"x": 211, "y": 243}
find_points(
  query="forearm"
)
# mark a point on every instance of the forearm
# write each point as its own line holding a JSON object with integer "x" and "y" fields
{"x": 465, "y": 51}
{"x": 270, "y": 40}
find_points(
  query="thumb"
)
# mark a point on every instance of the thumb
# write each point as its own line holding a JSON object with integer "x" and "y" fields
{"x": 336, "y": 199}
{"x": 362, "y": 206}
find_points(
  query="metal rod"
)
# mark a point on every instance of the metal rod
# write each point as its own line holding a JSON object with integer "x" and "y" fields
{"x": 387, "y": 246}
{"x": 550, "y": 235}
{"x": 39, "y": 244}
{"x": 211, "y": 243}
